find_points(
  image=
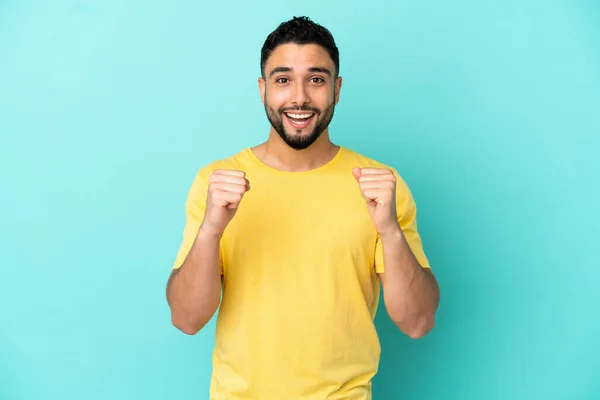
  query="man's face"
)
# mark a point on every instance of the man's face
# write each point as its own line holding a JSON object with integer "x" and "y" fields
{"x": 299, "y": 92}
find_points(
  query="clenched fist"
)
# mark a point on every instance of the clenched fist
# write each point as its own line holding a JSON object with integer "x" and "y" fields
{"x": 225, "y": 191}
{"x": 378, "y": 188}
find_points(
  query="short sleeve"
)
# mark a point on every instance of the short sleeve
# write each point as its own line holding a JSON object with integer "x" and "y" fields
{"x": 407, "y": 218}
{"x": 195, "y": 205}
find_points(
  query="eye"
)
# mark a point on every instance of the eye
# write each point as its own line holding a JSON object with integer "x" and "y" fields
{"x": 282, "y": 80}
{"x": 317, "y": 80}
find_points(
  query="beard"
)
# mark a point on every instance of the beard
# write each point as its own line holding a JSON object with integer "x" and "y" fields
{"x": 296, "y": 140}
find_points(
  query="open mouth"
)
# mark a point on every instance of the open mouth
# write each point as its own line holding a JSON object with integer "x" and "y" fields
{"x": 299, "y": 120}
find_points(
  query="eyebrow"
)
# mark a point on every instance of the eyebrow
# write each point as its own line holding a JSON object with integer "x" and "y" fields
{"x": 288, "y": 69}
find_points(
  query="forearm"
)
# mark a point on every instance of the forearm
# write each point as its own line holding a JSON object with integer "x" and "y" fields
{"x": 411, "y": 294}
{"x": 194, "y": 291}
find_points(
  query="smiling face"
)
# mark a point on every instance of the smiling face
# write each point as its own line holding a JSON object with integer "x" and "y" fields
{"x": 299, "y": 91}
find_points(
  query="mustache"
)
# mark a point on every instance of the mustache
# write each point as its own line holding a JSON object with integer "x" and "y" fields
{"x": 303, "y": 108}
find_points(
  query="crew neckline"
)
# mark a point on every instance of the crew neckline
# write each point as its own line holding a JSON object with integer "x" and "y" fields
{"x": 327, "y": 165}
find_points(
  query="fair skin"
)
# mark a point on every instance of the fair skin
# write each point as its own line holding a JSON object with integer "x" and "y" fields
{"x": 295, "y": 77}
{"x": 309, "y": 81}
{"x": 411, "y": 294}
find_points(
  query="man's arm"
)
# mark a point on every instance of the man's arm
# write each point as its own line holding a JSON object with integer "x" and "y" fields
{"x": 194, "y": 289}
{"x": 411, "y": 293}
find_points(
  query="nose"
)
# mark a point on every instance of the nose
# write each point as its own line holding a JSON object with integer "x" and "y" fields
{"x": 300, "y": 95}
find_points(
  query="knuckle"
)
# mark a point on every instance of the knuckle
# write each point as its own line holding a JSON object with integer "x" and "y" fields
{"x": 236, "y": 197}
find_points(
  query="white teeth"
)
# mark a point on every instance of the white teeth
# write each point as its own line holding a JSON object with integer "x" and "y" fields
{"x": 299, "y": 115}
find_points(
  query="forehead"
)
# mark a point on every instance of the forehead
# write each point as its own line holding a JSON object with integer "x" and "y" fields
{"x": 299, "y": 57}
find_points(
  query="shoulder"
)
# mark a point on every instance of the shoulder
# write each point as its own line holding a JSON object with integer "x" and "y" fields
{"x": 363, "y": 161}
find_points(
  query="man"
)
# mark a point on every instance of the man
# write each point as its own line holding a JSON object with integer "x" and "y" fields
{"x": 296, "y": 234}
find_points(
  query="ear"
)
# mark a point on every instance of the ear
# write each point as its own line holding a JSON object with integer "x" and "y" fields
{"x": 262, "y": 88}
{"x": 338, "y": 87}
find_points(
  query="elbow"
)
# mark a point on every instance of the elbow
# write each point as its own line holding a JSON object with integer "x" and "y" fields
{"x": 191, "y": 321}
{"x": 418, "y": 328}
{"x": 185, "y": 326}
{"x": 188, "y": 325}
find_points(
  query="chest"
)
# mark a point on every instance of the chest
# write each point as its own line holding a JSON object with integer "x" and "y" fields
{"x": 297, "y": 220}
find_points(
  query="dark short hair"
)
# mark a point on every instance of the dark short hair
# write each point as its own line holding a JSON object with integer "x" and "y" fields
{"x": 300, "y": 30}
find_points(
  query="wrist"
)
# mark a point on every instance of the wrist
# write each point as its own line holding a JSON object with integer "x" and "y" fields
{"x": 207, "y": 233}
{"x": 392, "y": 232}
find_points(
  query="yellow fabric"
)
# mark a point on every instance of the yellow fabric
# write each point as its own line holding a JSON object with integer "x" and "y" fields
{"x": 300, "y": 285}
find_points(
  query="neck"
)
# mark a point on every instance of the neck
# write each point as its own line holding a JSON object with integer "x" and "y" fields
{"x": 277, "y": 154}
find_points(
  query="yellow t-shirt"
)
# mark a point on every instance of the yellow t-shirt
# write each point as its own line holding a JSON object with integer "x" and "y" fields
{"x": 300, "y": 287}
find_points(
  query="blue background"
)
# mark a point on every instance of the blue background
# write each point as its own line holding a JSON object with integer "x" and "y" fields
{"x": 489, "y": 110}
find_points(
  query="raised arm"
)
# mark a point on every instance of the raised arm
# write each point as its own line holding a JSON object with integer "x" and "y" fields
{"x": 194, "y": 287}
{"x": 410, "y": 290}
